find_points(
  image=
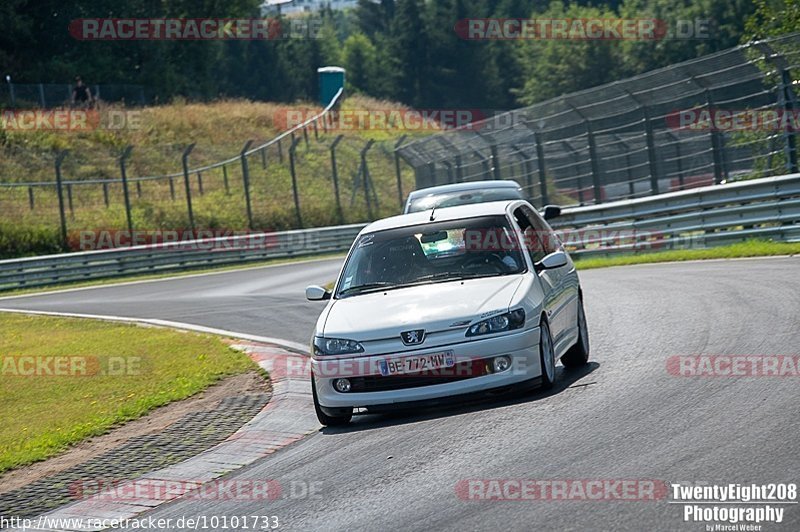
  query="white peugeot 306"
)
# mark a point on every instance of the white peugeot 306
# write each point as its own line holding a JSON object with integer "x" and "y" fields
{"x": 439, "y": 304}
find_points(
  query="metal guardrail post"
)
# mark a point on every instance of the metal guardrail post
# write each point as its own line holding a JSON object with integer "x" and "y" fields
{"x": 594, "y": 162}
{"x": 652, "y": 156}
{"x": 335, "y": 176}
{"x": 187, "y": 185}
{"x": 397, "y": 170}
{"x": 537, "y": 135}
{"x": 246, "y": 183}
{"x": 295, "y": 194}
{"x": 125, "y": 193}
{"x": 62, "y": 215}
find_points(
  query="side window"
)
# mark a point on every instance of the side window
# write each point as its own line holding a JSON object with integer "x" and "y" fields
{"x": 531, "y": 238}
{"x": 539, "y": 239}
{"x": 547, "y": 238}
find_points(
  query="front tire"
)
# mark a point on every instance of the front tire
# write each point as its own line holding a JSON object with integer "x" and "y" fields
{"x": 578, "y": 354}
{"x": 325, "y": 419}
{"x": 547, "y": 356}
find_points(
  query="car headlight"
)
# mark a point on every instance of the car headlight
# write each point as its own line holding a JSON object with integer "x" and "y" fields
{"x": 500, "y": 323}
{"x": 336, "y": 346}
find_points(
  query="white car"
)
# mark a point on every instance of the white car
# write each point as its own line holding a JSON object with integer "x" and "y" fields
{"x": 443, "y": 303}
{"x": 467, "y": 193}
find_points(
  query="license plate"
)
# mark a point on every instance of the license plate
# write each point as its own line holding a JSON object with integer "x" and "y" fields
{"x": 415, "y": 364}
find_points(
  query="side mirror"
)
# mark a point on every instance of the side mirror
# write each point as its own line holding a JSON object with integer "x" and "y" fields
{"x": 317, "y": 293}
{"x": 551, "y": 211}
{"x": 556, "y": 259}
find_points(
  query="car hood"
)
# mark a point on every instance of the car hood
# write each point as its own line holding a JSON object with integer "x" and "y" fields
{"x": 434, "y": 307}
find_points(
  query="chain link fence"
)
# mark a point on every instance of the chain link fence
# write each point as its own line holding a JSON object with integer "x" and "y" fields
{"x": 727, "y": 116}
{"x": 49, "y": 95}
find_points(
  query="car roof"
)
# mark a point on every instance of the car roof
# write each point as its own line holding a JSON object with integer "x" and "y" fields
{"x": 491, "y": 208}
{"x": 458, "y": 187}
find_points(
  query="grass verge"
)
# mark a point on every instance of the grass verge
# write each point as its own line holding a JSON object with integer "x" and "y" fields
{"x": 114, "y": 373}
{"x": 751, "y": 248}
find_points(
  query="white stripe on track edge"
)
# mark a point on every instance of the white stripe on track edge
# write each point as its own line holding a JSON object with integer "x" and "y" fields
{"x": 287, "y": 344}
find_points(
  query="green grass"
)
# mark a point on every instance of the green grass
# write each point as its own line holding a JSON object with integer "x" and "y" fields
{"x": 751, "y": 248}
{"x": 44, "y": 414}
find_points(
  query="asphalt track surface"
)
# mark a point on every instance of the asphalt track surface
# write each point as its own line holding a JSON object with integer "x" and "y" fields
{"x": 624, "y": 417}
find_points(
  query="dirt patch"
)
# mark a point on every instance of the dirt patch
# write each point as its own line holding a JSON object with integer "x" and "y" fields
{"x": 158, "y": 420}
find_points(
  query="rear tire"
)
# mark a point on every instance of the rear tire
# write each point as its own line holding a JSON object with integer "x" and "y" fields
{"x": 578, "y": 354}
{"x": 325, "y": 419}
{"x": 547, "y": 356}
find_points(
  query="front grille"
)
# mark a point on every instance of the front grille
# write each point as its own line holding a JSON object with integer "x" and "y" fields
{"x": 460, "y": 371}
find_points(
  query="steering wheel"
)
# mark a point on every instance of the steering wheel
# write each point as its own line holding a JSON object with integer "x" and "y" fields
{"x": 492, "y": 260}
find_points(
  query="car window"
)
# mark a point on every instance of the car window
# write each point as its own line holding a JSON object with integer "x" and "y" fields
{"x": 538, "y": 238}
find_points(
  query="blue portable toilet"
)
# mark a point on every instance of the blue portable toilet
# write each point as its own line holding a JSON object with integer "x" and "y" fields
{"x": 331, "y": 80}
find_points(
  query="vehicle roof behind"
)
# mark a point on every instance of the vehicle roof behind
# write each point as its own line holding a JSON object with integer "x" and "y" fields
{"x": 458, "y": 187}
{"x": 492, "y": 208}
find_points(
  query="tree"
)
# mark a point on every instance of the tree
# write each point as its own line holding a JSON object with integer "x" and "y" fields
{"x": 358, "y": 54}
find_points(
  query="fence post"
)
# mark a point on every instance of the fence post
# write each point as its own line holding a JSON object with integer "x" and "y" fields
{"x": 716, "y": 155}
{"x": 526, "y": 163}
{"x": 62, "y": 215}
{"x": 365, "y": 176}
{"x": 295, "y": 193}
{"x": 138, "y": 189}
{"x": 187, "y": 184}
{"x": 200, "y": 182}
{"x": 305, "y": 136}
{"x": 42, "y": 101}
{"x": 225, "y": 179}
{"x": 537, "y": 136}
{"x": 125, "y": 193}
{"x": 335, "y": 175}
{"x": 171, "y": 188}
{"x": 495, "y": 162}
{"x": 280, "y": 152}
{"x": 30, "y": 197}
{"x": 789, "y": 134}
{"x": 652, "y": 158}
{"x": 397, "y": 170}
{"x": 105, "y": 193}
{"x": 246, "y": 183}
{"x": 69, "y": 200}
{"x": 264, "y": 158}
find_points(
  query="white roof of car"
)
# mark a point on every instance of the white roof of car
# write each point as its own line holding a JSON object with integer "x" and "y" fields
{"x": 458, "y": 187}
{"x": 445, "y": 213}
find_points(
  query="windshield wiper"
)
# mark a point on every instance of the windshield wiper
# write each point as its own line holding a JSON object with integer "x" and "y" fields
{"x": 367, "y": 287}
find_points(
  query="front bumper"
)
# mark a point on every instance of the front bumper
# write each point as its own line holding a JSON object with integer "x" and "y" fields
{"x": 522, "y": 347}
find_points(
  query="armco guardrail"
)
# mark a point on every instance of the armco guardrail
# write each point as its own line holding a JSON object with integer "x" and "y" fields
{"x": 174, "y": 257}
{"x": 767, "y": 208}
{"x": 708, "y": 216}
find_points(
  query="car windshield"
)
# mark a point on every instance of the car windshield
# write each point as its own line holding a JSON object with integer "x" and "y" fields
{"x": 464, "y": 197}
{"x": 431, "y": 253}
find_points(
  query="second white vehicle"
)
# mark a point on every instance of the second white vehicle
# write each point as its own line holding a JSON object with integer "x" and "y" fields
{"x": 442, "y": 303}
